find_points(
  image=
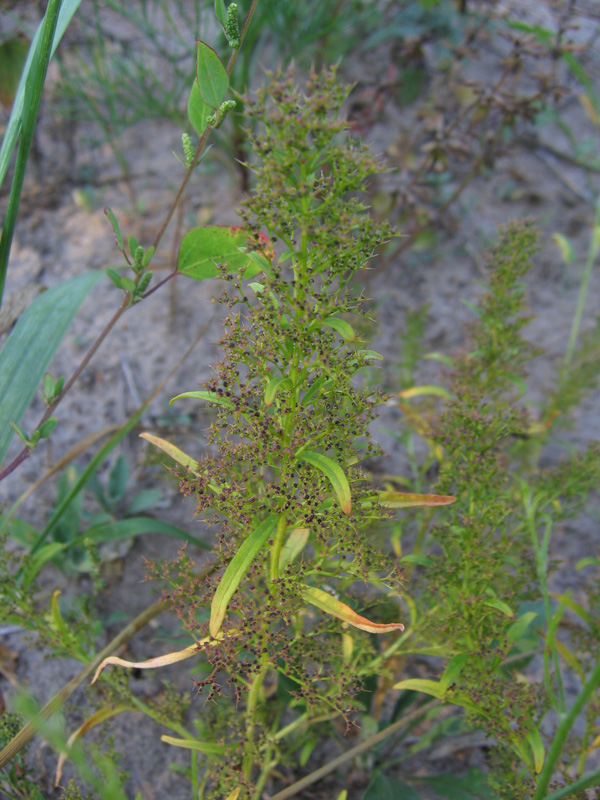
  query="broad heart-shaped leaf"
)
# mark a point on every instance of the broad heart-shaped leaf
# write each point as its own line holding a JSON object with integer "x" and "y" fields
{"x": 334, "y": 473}
{"x": 203, "y": 248}
{"x": 331, "y": 605}
{"x": 198, "y": 110}
{"x": 212, "y": 76}
{"x": 236, "y": 569}
{"x": 31, "y": 345}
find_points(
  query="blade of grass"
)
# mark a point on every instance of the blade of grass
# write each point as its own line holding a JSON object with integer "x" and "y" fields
{"x": 34, "y": 86}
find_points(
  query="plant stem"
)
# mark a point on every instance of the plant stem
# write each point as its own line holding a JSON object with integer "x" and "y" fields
{"x": 315, "y": 776}
{"x": 277, "y": 545}
{"x": 562, "y": 732}
{"x": 253, "y": 696}
{"x": 585, "y": 279}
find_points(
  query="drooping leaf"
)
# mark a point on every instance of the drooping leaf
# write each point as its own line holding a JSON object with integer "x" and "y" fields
{"x": 500, "y": 605}
{"x": 331, "y": 605}
{"x": 31, "y": 346}
{"x": 213, "y": 397}
{"x": 171, "y": 450}
{"x": 205, "y": 247}
{"x": 95, "y": 719}
{"x": 198, "y": 110}
{"x": 236, "y": 569}
{"x": 151, "y": 663}
{"x": 211, "y": 75}
{"x": 334, "y": 474}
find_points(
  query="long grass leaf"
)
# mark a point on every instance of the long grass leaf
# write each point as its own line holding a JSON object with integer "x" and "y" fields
{"x": 31, "y": 345}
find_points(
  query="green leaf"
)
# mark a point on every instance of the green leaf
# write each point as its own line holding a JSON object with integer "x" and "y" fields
{"x": 472, "y": 786}
{"x": 501, "y": 606}
{"x": 236, "y": 569}
{"x": 537, "y": 748}
{"x": 213, "y": 397}
{"x": 36, "y": 562}
{"x": 433, "y": 688}
{"x": 144, "y": 501}
{"x": 13, "y": 53}
{"x": 9, "y": 140}
{"x": 221, "y": 11}
{"x": 115, "y": 277}
{"x": 203, "y": 248}
{"x": 334, "y": 474}
{"x": 342, "y": 327}
{"x": 274, "y": 385}
{"x": 30, "y": 347}
{"x": 115, "y": 226}
{"x": 518, "y": 628}
{"x": 565, "y": 246}
{"x": 414, "y": 558}
{"x": 198, "y": 111}
{"x": 211, "y": 748}
{"x": 117, "y": 480}
{"x": 312, "y": 391}
{"x": 134, "y": 526}
{"x": 211, "y": 75}
{"x": 47, "y": 427}
{"x": 295, "y": 544}
{"x": 384, "y": 788}
{"x": 453, "y": 670}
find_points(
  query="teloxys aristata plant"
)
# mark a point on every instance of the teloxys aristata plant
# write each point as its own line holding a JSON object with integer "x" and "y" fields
{"x": 296, "y": 551}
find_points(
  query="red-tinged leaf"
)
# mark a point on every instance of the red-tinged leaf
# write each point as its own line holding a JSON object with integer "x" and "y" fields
{"x": 405, "y": 500}
{"x": 331, "y": 605}
{"x": 171, "y": 450}
{"x": 211, "y": 75}
{"x": 203, "y": 248}
{"x": 236, "y": 569}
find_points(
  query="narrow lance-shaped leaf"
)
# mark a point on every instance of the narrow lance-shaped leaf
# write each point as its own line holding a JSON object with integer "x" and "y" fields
{"x": 211, "y": 748}
{"x": 171, "y": 450}
{"x": 151, "y": 663}
{"x": 213, "y": 397}
{"x": 331, "y": 605}
{"x": 30, "y": 347}
{"x": 274, "y": 385}
{"x": 334, "y": 473}
{"x": 406, "y": 500}
{"x": 344, "y": 328}
{"x": 236, "y": 569}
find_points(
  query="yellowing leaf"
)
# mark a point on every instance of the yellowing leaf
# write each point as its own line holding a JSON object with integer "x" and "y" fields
{"x": 565, "y": 246}
{"x": 432, "y": 688}
{"x": 91, "y": 722}
{"x": 590, "y": 108}
{"x": 391, "y": 499}
{"x": 151, "y": 663}
{"x": 294, "y": 545}
{"x": 331, "y": 605}
{"x": 171, "y": 450}
{"x": 334, "y": 473}
{"x": 235, "y": 794}
{"x": 236, "y": 569}
{"x": 419, "y": 391}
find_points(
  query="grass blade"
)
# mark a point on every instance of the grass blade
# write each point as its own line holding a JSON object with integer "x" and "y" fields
{"x": 32, "y": 344}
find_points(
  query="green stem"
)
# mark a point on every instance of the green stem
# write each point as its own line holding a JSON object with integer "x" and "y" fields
{"x": 585, "y": 279}
{"x": 561, "y": 734}
{"x": 253, "y": 697}
{"x": 277, "y": 545}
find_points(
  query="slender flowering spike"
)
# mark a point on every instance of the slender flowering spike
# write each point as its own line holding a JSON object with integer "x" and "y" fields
{"x": 232, "y": 26}
{"x": 188, "y": 149}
